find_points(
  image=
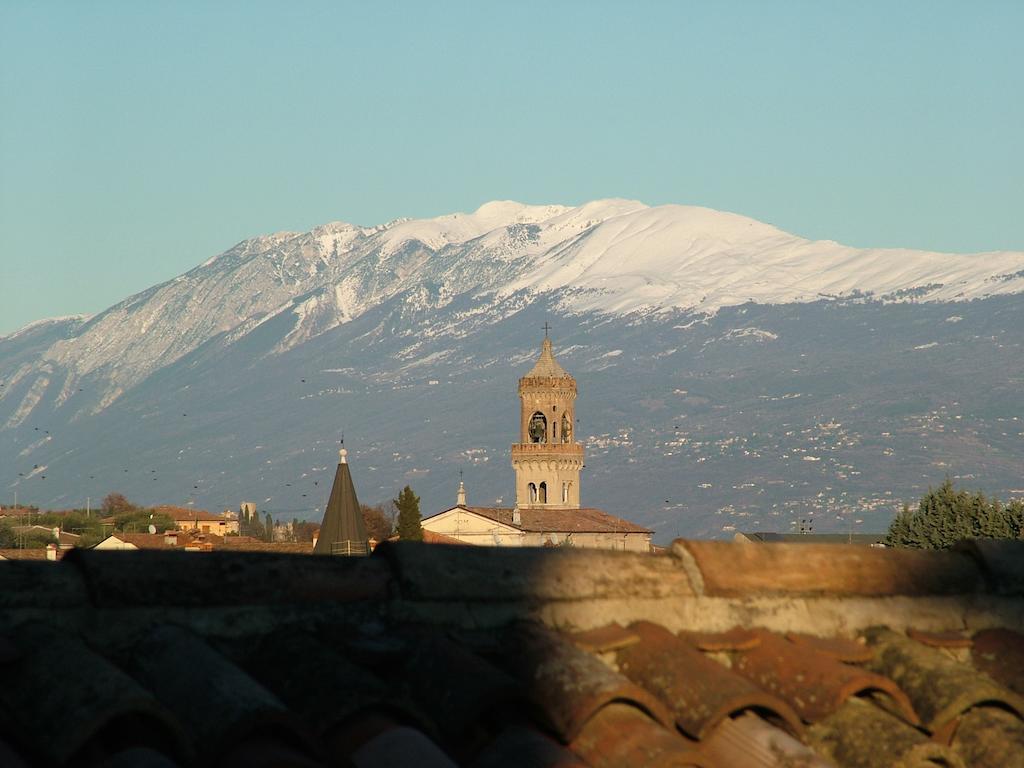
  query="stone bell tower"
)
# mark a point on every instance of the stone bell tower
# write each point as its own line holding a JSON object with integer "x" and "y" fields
{"x": 547, "y": 459}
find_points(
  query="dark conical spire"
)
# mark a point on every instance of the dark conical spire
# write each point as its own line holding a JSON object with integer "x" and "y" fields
{"x": 343, "y": 531}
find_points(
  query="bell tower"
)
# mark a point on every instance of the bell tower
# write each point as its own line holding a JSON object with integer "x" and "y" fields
{"x": 547, "y": 459}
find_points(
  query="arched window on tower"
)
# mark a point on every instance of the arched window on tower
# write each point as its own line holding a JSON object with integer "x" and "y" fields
{"x": 533, "y": 492}
{"x": 538, "y": 428}
{"x": 565, "y": 493}
{"x": 543, "y": 493}
{"x": 566, "y": 429}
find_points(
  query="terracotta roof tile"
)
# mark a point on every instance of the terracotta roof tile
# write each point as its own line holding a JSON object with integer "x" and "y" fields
{"x": 216, "y": 701}
{"x": 940, "y": 688}
{"x": 990, "y": 737}
{"x": 168, "y": 540}
{"x": 568, "y": 685}
{"x": 735, "y": 639}
{"x": 28, "y": 554}
{"x": 1001, "y": 562}
{"x": 432, "y": 537}
{"x": 321, "y": 685}
{"x": 611, "y": 637}
{"x": 561, "y": 519}
{"x": 41, "y": 586}
{"x": 940, "y": 639}
{"x": 861, "y": 734}
{"x": 518, "y": 744}
{"x": 531, "y": 573}
{"x": 621, "y": 735}
{"x": 442, "y": 656}
{"x": 699, "y": 691}
{"x": 188, "y": 513}
{"x": 122, "y": 579}
{"x": 999, "y": 653}
{"x": 400, "y": 745}
{"x": 815, "y": 685}
{"x": 103, "y": 697}
{"x": 262, "y": 750}
{"x": 736, "y": 569}
{"x": 840, "y": 648}
{"x": 474, "y": 694}
{"x": 747, "y": 741}
{"x": 249, "y": 544}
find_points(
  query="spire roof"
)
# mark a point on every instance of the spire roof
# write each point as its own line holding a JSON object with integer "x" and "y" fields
{"x": 546, "y": 365}
{"x": 343, "y": 530}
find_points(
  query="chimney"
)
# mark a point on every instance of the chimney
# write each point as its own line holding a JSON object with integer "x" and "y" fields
{"x": 517, "y": 519}
{"x": 171, "y": 539}
{"x": 460, "y": 497}
{"x": 51, "y": 551}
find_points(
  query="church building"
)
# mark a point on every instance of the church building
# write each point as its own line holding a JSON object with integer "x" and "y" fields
{"x": 547, "y": 461}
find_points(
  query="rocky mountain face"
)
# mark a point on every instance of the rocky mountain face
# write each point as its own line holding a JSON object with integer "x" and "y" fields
{"x": 731, "y": 375}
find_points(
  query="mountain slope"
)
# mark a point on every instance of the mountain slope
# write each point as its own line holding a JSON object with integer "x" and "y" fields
{"x": 310, "y": 332}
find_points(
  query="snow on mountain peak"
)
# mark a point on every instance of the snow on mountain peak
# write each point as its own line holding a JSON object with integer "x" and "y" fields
{"x": 614, "y": 256}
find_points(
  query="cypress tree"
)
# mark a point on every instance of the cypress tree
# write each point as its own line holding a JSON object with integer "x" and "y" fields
{"x": 270, "y": 527}
{"x": 946, "y": 515}
{"x": 899, "y": 534}
{"x": 408, "y": 505}
{"x": 1015, "y": 518}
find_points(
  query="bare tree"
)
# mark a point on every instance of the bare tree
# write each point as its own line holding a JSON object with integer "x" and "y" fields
{"x": 117, "y": 504}
{"x": 378, "y": 524}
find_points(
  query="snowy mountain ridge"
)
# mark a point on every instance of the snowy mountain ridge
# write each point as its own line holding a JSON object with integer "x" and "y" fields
{"x": 610, "y": 256}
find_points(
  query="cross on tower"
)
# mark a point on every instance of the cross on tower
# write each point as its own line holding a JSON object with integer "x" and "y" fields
{"x": 546, "y": 329}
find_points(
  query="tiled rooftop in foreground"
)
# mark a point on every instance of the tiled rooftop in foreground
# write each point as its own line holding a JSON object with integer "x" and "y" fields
{"x": 713, "y": 654}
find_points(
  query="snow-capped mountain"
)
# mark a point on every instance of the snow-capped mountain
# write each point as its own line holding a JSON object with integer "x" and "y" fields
{"x": 427, "y": 291}
{"x": 613, "y": 256}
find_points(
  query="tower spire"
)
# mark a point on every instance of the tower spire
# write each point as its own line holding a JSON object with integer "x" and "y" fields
{"x": 342, "y": 531}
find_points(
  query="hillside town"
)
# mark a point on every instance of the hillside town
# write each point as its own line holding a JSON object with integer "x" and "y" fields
{"x": 547, "y": 461}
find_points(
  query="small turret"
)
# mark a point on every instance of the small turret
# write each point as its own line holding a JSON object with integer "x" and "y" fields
{"x": 342, "y": 531}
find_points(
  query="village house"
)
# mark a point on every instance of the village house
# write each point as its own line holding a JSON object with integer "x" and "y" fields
{"x": 200, "y": 520}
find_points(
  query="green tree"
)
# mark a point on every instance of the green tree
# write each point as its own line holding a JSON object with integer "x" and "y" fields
{"x": 268, "y": 526}
{"x": 11, "y": 539}
{"x": 408, "y": 506}
{"x": 1014, "y": 512}
{"x": 946, "y": 515}
{"x": 8, "y": 538}
{"x": 139, "y": 520}
{"x": 900, "y": 528}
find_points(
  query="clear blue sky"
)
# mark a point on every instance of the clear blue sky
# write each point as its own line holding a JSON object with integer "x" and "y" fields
{"x": 139, "y": 138}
